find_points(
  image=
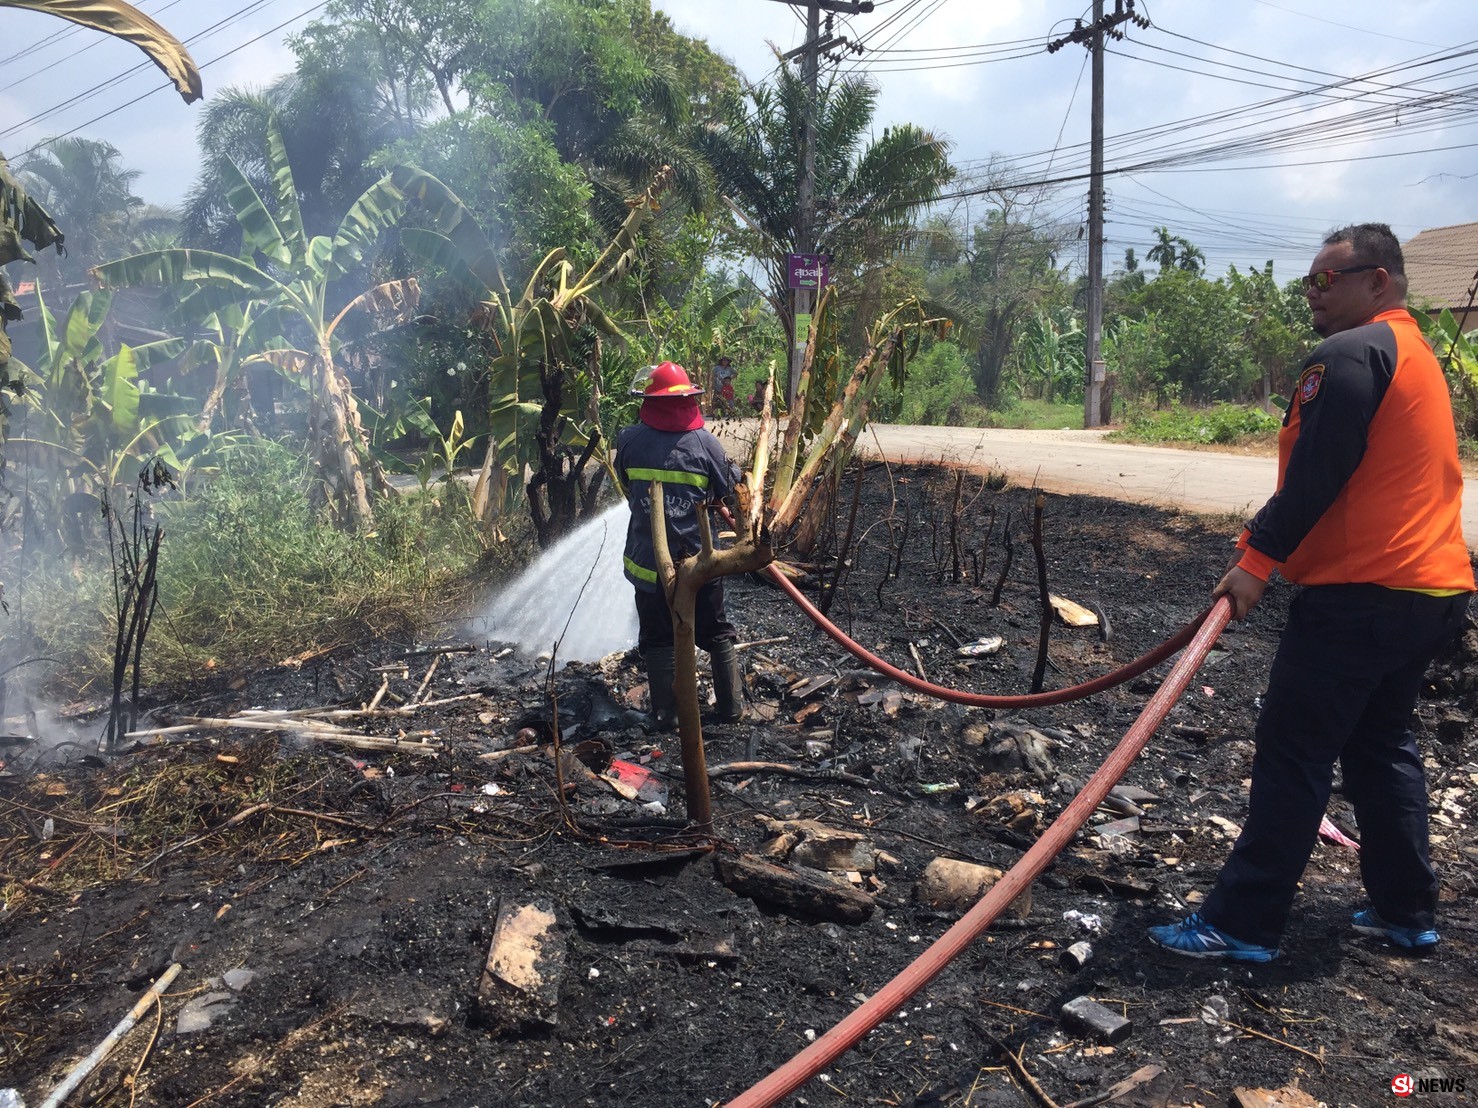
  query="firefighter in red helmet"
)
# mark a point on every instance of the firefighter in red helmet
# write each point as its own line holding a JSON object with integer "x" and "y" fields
{"x": 669, "y": 444}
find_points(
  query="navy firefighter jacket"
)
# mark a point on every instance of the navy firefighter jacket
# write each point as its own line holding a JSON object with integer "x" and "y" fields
{"x": 693, "y": 470}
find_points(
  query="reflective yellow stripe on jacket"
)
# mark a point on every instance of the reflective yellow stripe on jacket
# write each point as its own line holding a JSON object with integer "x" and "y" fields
{"x": 636, "y": 569}
{"x": 669, "y": 476}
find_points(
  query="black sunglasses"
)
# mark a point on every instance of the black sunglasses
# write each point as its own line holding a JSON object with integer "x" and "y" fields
{"x": 1323, "y": 278}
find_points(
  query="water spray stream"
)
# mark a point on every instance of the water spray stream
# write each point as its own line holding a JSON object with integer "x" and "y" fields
{"x": 559, "y": 597}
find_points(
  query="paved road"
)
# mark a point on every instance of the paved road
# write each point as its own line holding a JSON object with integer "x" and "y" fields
{"x": 1081, "y": 462}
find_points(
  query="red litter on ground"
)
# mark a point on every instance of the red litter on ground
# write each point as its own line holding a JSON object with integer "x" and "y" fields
{"x": 645, "y": 785}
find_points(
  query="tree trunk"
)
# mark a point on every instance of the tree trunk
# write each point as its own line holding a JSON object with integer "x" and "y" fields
{"x": 337, "y": 438}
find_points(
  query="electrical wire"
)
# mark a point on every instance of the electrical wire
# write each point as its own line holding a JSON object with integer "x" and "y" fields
{"x": 49, "y": 67}
{"x": 167, "y": 85}
{"x": 87, "y": 94}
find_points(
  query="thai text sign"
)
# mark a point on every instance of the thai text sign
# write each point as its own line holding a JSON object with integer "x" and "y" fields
{"x": 808, "y": 271}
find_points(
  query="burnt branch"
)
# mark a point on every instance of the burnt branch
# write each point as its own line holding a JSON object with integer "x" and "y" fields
{"x": 1040, "y": 672}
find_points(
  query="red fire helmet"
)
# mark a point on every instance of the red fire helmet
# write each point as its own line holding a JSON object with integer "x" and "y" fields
{"x": 667, "y": 379}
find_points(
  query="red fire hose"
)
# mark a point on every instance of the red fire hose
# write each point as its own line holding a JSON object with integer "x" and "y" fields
{"x": 948, "y": 946}
{"x": 983, "y": 700}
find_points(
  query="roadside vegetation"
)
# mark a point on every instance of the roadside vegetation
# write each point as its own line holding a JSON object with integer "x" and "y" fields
{"x": 430, "y": 250}
{"x": 1216, "y": 425}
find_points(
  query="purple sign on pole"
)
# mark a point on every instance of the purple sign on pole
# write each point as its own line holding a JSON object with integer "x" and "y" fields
{"x": 808, "y": 271}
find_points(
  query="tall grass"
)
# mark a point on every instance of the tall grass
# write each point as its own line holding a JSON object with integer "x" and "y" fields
{"x": 250, "y": 574}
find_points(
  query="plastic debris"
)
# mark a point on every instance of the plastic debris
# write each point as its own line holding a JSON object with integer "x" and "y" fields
{"x": 988, "y": 644}
{"x": 1088, "y": 921}
{"x": 1327, "y": 830}
{"x": 201, "y": 1011}
{"x": 238, "y": 979}
{"x": 636, "y": 782}
{"x": 1215, "y": 1011}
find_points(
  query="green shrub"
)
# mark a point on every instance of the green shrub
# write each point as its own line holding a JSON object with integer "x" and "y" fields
{"x": 250, "y": 573}
{"x": 1218, "y": 425}
{"x": 938, "y": 390}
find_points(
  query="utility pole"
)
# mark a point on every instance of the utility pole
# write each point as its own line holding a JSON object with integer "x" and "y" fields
{"x": 1092, "y": 36}
{"x": 802, "y": 299}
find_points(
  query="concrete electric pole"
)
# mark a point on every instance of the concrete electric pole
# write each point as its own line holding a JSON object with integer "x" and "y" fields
{"x": 1092, "y": 36}
{"x": 803, "y": 298}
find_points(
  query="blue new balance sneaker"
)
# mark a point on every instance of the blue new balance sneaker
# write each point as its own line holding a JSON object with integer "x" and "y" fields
{"x": 1368, "y": 922}
{"x": 1195, "y": 938}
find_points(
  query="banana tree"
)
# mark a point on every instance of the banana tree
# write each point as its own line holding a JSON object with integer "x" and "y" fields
{"x": 1458, "y": 351}
{"x": 818, "y": 440}
{"x": 87, "y": 416}
{"x": 291, "y": 274}
{"x": 539, "y": 351}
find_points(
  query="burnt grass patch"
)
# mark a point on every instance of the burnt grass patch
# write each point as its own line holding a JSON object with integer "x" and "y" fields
{"x": 361, "y": 888}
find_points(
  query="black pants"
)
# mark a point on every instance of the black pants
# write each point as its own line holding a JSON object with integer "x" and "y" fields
{"x": 654, "y": 622}
{"x": 1343, "y": 686}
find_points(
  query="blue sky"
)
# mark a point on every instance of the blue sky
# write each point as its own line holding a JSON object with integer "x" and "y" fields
{"x": 1397, "y": 146}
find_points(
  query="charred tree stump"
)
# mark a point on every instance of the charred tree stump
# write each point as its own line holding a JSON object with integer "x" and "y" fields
{"x": 844, "y": 552}
{"x": 954, "y": 528}
{"x": 1039, "y": 674}
{"x": 990, "y": 526}
{"x": 995, "y": 599}
{"x": 560, "y": 492}
{"x": 134, "y": 547}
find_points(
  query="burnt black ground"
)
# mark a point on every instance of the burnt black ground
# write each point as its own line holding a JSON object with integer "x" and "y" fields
{"x": 367, "y": 935}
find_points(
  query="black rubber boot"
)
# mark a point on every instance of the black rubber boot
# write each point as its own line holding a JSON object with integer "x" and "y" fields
{"x": 660, "y": 670}
{"x": 728, "y": 683}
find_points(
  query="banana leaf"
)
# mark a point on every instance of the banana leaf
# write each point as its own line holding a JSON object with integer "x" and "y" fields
{"x": 398, "y": 299}
{"x": 455, "y": 222}
{"x": 119, "y": 391}
{"x": 183, "y": 266}
{"x": 292, "y": 363}
{"x": 158, "y": 407}
{"x": 128, "y": 23}
{"x": 259, "y": 231}
{"x": 378, "y": 208}
{"x": 434, "y": 248}
{"x": 84, "y": 320}
{"x": 289, "y": 214}
{"x": 22, "y": 219}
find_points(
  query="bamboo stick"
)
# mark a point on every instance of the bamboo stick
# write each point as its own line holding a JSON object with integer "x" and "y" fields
{"x": 125, "y": 1025}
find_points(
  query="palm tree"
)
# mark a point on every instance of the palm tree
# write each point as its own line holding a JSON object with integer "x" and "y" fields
{"x": 81, "y": 182}
{"x": 1190, "y": 258}
{"x": 1163, "y": 253}
{"x": 1175, "y": 252}
{"x": 866, "y": 193}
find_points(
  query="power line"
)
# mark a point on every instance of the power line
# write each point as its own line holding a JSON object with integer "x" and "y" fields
{"x": 167, "y": 85}
{"x": 87, "y": 94}
{"x": 96, "y": 40}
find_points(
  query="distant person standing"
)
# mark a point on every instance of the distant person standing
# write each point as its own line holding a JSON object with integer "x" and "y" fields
{"x": 724, "y": 401}
{"x": 671, "y": 445}
{"x": 1367, "y": 518}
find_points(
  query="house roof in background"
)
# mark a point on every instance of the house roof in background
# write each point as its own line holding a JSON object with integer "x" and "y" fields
{"x": 1440, "y": 265}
